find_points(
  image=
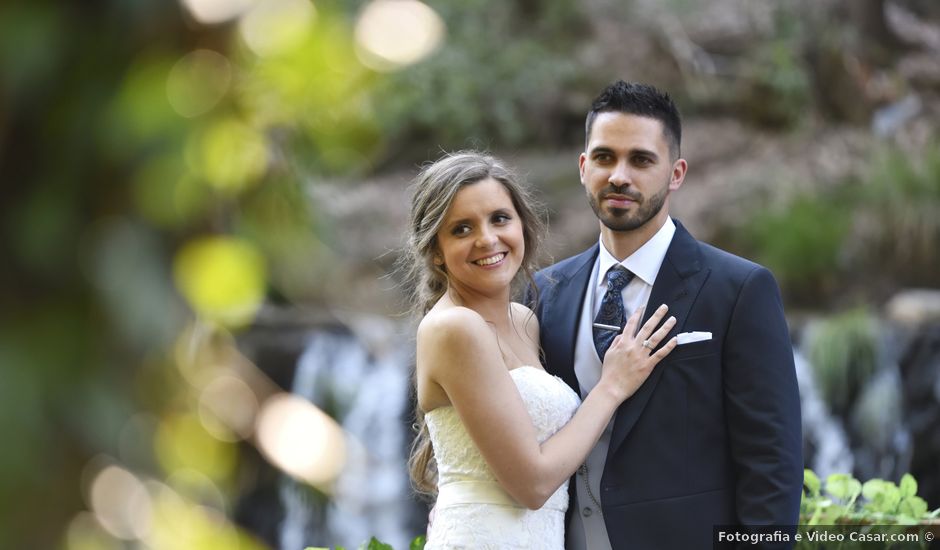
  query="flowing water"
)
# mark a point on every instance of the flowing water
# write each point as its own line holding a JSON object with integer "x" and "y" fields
{"x": 366, "y": 391}
{"x": 822, "y": 431}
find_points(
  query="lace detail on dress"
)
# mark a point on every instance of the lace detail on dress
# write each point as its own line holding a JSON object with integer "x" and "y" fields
{"x": 473, "y": 510}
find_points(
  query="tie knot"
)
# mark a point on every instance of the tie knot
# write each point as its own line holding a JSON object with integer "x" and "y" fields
{"x": 617, "y": 278}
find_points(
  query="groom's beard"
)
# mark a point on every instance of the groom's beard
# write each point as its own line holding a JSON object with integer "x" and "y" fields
{"x": 618, "y": 219}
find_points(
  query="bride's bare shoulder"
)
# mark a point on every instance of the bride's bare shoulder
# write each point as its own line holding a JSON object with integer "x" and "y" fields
{"x": 452, "y": 327}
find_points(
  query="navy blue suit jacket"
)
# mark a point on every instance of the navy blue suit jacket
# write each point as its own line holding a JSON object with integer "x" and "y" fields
{"x": 713, "y": 436}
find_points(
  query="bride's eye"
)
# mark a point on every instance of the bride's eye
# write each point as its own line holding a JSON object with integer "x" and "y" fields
{"x": 501, "y": 217}
{"x": 460, "y": 230}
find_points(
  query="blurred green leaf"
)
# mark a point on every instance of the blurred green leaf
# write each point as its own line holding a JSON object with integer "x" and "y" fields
{"x": 908, "y": 486}
{"x": 223, "y": 278}
{"x": 31, "y": 49}
{"x": 140, "y": 115}
{"x": 811, "y": 481}
{"x": 843, "y": 487}
{"x": 913, "y": 506}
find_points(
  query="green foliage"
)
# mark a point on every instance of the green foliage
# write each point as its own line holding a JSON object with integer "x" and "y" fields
{"x": 375, "y": 544}
{"x": 899, "y": 214}
{"x": 39, "y": 32}
{"x": 856, "y": 234}
{"x": 811, "y": 482}
{"x": 776, "y": 79}
{"x": 801, "y": 242}
{"x": 492, "y": 83}
{"x": 882, "y": 502}
{"x": 843, "y": 352}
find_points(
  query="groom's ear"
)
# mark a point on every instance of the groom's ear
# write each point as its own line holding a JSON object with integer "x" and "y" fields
{"x": 679, "y": 169}
{"x": 581, "y": 160}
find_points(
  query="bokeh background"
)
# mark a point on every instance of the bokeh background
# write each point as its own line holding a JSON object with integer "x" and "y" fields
{"x": 203, "y": 343}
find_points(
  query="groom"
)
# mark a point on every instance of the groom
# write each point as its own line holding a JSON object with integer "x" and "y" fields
{"x": 713, "y": 436}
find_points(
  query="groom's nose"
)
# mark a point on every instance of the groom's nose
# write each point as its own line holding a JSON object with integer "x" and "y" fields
{"x": 620, "y": 175}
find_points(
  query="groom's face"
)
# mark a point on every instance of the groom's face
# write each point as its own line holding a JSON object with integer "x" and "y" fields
{"x": 628, "y": 170}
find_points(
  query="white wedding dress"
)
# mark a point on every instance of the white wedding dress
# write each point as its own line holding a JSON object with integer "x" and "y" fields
{"x": 472, "y": 509}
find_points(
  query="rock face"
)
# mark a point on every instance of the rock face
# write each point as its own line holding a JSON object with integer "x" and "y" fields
{"x": 915, "y": 307}
{"x": 920, "y": 371}
{"x": 882, "y": 420}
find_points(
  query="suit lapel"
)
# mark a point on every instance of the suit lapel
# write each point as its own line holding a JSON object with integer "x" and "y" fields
{"x": 677, "y": 284}
{"x": 561, "y": 310}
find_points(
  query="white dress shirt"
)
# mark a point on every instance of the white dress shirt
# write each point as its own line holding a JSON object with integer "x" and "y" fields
{"x": 644, "y": 264}
{"x": 587, "y": 530}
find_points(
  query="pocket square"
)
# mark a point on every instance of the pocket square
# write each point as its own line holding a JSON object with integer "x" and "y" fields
{"x": 689, "y": 337}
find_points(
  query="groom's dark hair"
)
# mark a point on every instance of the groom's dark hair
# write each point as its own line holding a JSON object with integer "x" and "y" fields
{"x": 633, "y": 98}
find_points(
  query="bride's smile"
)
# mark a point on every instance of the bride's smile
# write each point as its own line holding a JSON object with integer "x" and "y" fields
{"x": 481, "y": 242}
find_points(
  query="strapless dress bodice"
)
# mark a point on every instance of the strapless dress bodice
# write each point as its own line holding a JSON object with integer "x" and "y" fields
{"x": 472, "y": 509}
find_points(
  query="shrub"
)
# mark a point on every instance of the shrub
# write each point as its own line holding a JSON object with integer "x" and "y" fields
{"x": 843, "y": 352}
{"x": 800, "y": 243}
{"x": 844, "y": 499}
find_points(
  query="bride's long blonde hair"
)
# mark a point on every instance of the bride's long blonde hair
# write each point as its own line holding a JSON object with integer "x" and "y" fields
{"x": 432, "y": 193}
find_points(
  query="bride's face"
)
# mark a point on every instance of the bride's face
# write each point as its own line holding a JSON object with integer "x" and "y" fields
{"x": 481, "y": 242}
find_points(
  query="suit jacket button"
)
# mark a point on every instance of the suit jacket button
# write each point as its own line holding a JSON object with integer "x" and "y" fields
{"x": 587, "y": 511}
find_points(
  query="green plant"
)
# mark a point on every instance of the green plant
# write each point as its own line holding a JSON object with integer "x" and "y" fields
{"x": 898, "y": 213}
{"x": 863, "y": 236}
{"x": 859, "y": 513}
{"x": 776, "y": 85}
{"x": 375, "y": 544}
{"x": 497, "y": 80}
{"x": 844, "y": 499}
{"x": 843, "y": 352}
{"x": 800, "y": 243}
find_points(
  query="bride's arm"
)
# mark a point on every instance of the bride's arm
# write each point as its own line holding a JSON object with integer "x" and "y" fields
{"x": 458, "y": 352}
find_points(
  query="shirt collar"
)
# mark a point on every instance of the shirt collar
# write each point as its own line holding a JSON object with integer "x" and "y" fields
{"x": 645, "y": 262}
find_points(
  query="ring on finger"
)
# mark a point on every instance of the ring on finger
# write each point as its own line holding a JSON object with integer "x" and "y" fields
{"x": 647, "y": 344}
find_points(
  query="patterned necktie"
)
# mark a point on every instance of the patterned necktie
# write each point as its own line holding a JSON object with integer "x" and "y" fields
{"x": 611, "y": 312}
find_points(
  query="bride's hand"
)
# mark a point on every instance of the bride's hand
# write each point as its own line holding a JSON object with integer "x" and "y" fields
{"x": 630, "y": 359}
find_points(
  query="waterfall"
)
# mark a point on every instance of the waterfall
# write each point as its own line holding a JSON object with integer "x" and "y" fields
{"x": 867, "y": 435}
{"x": 366, "y": 391}
{"x": 823, "y": 431}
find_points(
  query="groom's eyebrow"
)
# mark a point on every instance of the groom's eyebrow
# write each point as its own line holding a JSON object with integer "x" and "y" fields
{"x": 632, "y": 152}
{"x": 601, "y": 149}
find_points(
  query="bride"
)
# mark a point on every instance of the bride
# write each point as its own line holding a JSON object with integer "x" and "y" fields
{"x": 499, "y": 437}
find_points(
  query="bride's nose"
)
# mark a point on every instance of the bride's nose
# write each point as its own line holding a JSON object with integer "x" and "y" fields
{"x": 487, "y": 238}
